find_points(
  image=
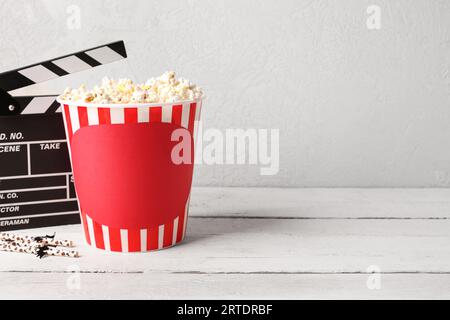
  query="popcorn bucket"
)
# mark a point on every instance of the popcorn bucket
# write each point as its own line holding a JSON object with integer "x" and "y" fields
{"x": 132, "y": 167}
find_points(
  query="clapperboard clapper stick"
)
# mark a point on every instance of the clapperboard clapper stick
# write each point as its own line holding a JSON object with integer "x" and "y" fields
{"x": 36, "y": 184}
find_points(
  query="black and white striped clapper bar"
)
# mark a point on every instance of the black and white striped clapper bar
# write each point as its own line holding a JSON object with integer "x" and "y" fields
{"x": 36, "y": 185}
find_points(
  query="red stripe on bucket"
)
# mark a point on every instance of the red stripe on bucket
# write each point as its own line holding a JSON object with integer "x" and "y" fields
{"x": 134, "y": 240}
{"x": 114, "y": 239}
{"x": 152, "y": 239}
{"x": 131, "y": 115}
{"x": 168, "y": 234}
{"x": 83, "y": 117}
{"x": 86, "y": 229}
{"x": 155, "y": 114}
{"x": 104, "y": 116}
{"x": 176, "y": 114}
{"x": 98, "y": 232}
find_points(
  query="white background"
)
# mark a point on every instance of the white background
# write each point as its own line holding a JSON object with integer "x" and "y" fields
{"x": 355, "y": 107}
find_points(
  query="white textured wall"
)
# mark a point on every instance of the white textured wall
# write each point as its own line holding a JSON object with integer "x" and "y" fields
{"x": 355, "y": 107}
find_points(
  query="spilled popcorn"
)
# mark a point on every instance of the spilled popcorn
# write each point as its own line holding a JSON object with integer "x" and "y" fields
{"x": 165, "y": 88}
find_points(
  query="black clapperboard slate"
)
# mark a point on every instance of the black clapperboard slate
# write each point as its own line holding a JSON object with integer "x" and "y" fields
{"x": 36, "y": 184}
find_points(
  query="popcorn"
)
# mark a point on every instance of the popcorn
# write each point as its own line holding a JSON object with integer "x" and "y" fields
{"x": 165, "y": 88}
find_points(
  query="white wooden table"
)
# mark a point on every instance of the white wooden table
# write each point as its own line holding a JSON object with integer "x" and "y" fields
{"x": 265, "y": 243}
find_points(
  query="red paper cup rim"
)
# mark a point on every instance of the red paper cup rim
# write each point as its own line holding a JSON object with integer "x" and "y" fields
{"x": 125, "y": 105}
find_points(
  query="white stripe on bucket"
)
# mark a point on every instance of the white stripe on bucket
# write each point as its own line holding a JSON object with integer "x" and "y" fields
{"x": 166, "y": 114}
{"x": 185, "y": 217}
{"x": 105, "y": 230}
{"x": 175, "y": 231}
{"x": 160, "y": 236}
{"x": 197, "y": 119}
{"x": 185, "y": 115}
{"x": 117, "y": 115}
{"x": 92, "y": 116}
{"x": 90, "y": 225}
{"x": 143, "y": 240}
{"x": 74, "y": 119}
{"x": 143, "y": 114}
{"x": 124, "y": 239}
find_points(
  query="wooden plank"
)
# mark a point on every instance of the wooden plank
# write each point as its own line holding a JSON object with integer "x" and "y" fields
{"x": 270, "y": 245}
{"x": 321, "y": 202}
{"x": 207, "y": 286}
{"x": 265, "y": 243}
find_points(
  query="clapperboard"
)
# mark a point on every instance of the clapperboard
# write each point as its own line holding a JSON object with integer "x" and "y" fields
{"x": 36, "y": 184}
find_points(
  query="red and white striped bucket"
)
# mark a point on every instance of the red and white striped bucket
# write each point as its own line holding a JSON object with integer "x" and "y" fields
{"x": 131, "y": 198}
